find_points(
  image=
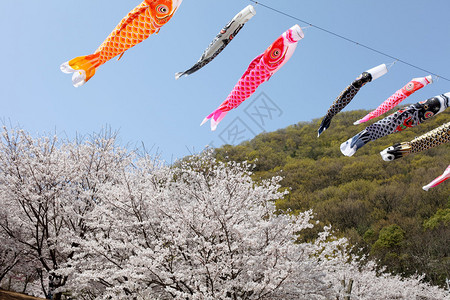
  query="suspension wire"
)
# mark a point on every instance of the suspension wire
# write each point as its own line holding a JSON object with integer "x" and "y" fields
{"x": 348, "y": 39}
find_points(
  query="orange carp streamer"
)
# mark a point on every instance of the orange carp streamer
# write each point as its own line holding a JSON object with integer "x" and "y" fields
{"x": 146, "y": 19}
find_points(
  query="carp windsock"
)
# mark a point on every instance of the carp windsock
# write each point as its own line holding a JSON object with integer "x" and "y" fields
{"x": 439, "y": 180}
{"x": 410, "y": 116}
{"x": 349, "y": 93}
{"x": 147, "y": 18}
{"x": 434, "y": 138}
{"x": 259, "y": 71}
{"x": 222, "y": 40}
{"x": 411, "y": 87}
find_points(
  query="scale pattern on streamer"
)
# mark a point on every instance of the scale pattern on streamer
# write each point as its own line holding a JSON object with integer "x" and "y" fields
{"x": 133, "y": 29}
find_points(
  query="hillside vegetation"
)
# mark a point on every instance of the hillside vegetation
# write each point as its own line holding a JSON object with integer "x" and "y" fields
{"x": 379, "y": 206}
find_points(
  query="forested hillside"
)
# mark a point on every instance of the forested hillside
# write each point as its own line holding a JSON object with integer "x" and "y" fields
{"x": 380, "y": 206}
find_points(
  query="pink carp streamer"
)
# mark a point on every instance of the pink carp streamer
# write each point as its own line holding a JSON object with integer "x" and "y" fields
{"x": 410, "y": 88}
{"x": 258, "y": 72}
{"x": 438, "y": 180}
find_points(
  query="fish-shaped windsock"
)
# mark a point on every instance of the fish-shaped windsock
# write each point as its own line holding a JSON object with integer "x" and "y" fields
{"x": 411, "y": 87}
{"x": 349, "y": 93}
{"x": 431, "y": 139}
{"x": 411, "y": 116}
{"x": 439, "y": 180}
{"x": 222, "y": 40}
{"x": 259, "y": 71}
{"x": 146, "y": 19}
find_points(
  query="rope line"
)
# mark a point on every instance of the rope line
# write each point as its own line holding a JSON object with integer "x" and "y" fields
{"x": 348, "y": 40}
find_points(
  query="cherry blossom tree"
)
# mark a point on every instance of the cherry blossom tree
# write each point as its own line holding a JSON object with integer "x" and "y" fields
{"x": 199, "y": 230}
{"x": 16, "y": 264}
{"x": 10, "y": 256}
{"x": 46, "y": 190}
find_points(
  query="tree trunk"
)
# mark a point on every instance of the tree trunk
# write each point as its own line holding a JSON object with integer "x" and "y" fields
{"x": 348, "y": 292}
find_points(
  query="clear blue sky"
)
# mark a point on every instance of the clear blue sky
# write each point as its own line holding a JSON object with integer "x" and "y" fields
{"x": 139, "y": 97}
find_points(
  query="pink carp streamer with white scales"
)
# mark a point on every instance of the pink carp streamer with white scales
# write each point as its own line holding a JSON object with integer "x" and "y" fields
{"x": 260, "y": 70}
{"x": 438, "y": 180}
{"x": 411, "y": 87}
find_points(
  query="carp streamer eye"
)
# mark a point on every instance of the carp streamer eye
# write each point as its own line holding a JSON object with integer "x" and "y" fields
{"x": 429, "y": 114}
{"x": 275, "y": 54}
{"x": 410, "y": 86}
{"x": 162, "y": 9}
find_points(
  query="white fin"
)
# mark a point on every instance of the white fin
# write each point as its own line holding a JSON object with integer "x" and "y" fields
{"x": 79, "y": 78}
{"x": 214, "y": 124}
{"x": 204, "y": 121}
{"x": 346, "y": 149}
{"x": 66, "y": 68}
{"x": 319, "y": 133}
{"x": 178, "y": 75}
